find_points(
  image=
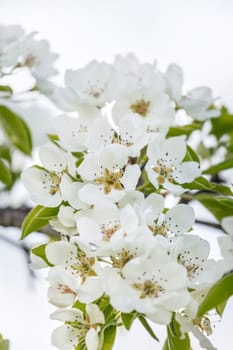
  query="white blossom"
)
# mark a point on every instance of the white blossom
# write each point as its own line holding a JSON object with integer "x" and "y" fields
{"x": 87, "y": 85}
{"x": 192, "y": 252}
{"x": 74, "y": 131}
{"x": 189, "y": 322}
{"x": 44, "y": 183}
{"x": 166, "y": 167}
{"x": 177, "y": 220}
{"x": 85, "y": 268}
{"x": 79, "y": 327}
{"x": 197, "y": 102}
{"x": 109, "y": 174}
{"x": 152, "y": 283}
{"x": 153, "y": 107}
{"x": 62, "y": 291}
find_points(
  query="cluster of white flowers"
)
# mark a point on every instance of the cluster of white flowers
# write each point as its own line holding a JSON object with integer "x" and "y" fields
{"x": 117, "y": 241}
{"x": 21, "y": 50}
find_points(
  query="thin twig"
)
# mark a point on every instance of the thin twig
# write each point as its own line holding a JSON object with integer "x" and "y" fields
{"x": 210, "y": 224}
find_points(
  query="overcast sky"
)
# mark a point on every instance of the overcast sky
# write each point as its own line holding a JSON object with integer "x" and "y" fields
{"x": 196, "y": 34}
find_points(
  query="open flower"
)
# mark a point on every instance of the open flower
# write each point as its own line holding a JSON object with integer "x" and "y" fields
{"x": 151, "y": 106}
{"x": 192, "y": 252}
{"x": 197, "y": 102}
{"x": 79, "y": 328}
{"x": 97, "y": 227}
{"x": 109, "y": 174}
{"x": 152, "y": 284}
{"x": 200, "y": 327}
{"x": 87, "y": 86}
{"x": 176, "y": 221}
{"x": 62, "y": 291}
{"x": 165, "y": 167}
{"x": 44, "y": 184}
{"x": 85, "y": 268}
{"x": 74, "y": 131}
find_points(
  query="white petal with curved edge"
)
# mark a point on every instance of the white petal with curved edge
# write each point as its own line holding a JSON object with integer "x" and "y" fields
{"x": 89, "y": 231}
{"x": 186, "y": 172}
{"x": 174, "y": 80}
{"x": 92, "y": 339}
{"x": 58, "y": 252}
{"x": 160, "y": 315}
{"x": 94, "y": 313}
{"x": 173, "y": 150}
{"x": 69, "y": 315}
{"x": 131, "y": 177}
{"x": 90, "y": 290}
{"x": 227, "y": 224}
{"x": 63, "y": 337}
{"x": 180, "y": 219}
{"x": 151, "y": 208}
{"x": 52, "y": 158}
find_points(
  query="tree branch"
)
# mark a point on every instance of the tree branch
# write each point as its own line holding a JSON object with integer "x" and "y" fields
{"x": 210, "y": 224}
{"x": 11, "y": 217}
{"x": 14, "y": 217}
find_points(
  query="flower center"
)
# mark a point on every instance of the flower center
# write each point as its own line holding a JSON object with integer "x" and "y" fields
{"x": 54, "y": 187}
{"x": 191, "y": 266}
{"x": 140, "y": 107}
{"x": 204, "y": 324}
{"x": 110, "y": 180}
{"x": 95, "y": 90}
{"x": 164, "y": 171}
{"x": 158, "y": 230}
{"x": 122, "y": 258}
{"x": 107, "y": 233}
{"x": 149, "y": 289}
{"x": 64, "y": 289}
{"x": 84, "y": 267}
{"x": 30, "y": 60}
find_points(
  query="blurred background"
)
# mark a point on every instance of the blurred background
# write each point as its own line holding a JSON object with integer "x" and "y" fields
{"x": 194, "y": 34}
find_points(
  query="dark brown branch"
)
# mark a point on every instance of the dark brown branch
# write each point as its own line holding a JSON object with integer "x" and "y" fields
{"x": 210, "y": 224}
{"x": 13, "y": 217}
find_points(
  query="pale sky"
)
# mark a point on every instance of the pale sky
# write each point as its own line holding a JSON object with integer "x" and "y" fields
{"x": 196, "y": 34}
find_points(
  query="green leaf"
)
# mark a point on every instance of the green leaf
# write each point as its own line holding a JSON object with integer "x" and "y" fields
{"x": 5, "y": 174}
{"x": 80, "y": 346}
{"x": 147, "y": 327}
{"x": 184, "y": 129}
{"x": 191, "y": 155}
{"x": 5, "y": 153}
{"x": 128, "y": 319}
{"x": 40, "y": 252}
{"x": 221, "y": 307}
{"x": 217, "y": 205}
{"x": 53, "y": 137}
{"x": 7, "y": 89}
{"x": 201, "y": 183}
{"x": 214, "y": 169}
{"x": 80, "y": 306}
{"x": 37, "y": 218}
{"x": 103, "y": 302}
{"x": 4, "y": 343}
{"x": 218, "y": 294}
{"x": 223, "y": 124}
{"x": 166, "y": 345}
{"x": 174, "y": 340}
{"x": 16, "y": 130}
{"x": 107, "y": 337}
